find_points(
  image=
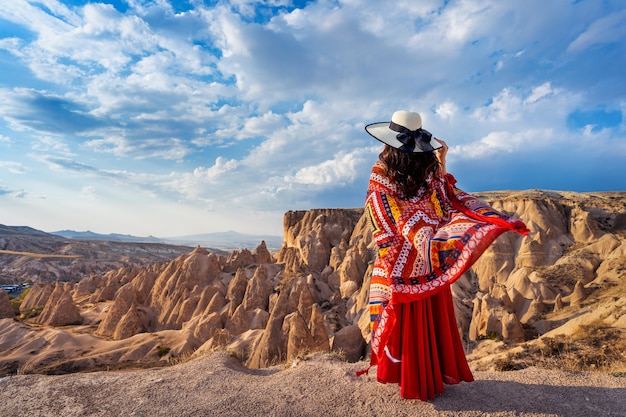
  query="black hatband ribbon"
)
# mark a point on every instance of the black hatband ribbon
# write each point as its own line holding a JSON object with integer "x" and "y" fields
{"x": 412, "y": 138}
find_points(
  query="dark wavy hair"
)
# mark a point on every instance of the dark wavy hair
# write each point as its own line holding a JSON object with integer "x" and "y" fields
{"x": 409, "y": 170}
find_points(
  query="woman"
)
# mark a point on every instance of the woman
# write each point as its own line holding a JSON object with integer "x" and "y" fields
{"x": 428, "y": 234}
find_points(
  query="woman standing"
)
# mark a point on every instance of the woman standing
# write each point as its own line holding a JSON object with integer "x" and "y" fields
{"x": 428, "y": 234}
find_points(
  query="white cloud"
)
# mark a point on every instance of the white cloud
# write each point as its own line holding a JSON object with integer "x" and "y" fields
{"x": 50, "y": 145}
{"x": 447, "y": 110}
{"x": 105, "y": 37}
{"x": 607, "y": 29}
{"x": 464, "y": 21}
{"x": 505, "y": 106}
{"x": 248, "y": 7}
{"x": 165, "y": 148}
{"x": 228, "y": 30}
{"x": 502, "y": 142}
{"x": 14, "y": 167}
{"x": 514, "y": 105}
{"x": 12, "y": 45}
{"x": 88, "y": 192}
{"x": 217, "y": 171}
{"x": 340, "y": 170}
{"x": 539, "y": 93}
{"x": 263, "y": 125}
{"x": 35, "y": 18}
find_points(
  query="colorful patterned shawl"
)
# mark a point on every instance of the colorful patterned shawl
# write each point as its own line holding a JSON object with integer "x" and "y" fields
{"x": 424, "y": 243}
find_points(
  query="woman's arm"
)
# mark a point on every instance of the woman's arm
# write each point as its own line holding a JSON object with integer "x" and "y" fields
{"x": 441, "y": 156}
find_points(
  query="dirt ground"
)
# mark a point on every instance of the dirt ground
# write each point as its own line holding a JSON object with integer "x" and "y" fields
{"x": 322, "y": 385}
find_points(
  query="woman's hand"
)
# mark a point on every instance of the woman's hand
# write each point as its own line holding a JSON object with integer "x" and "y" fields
{"x": 441, "y": 155}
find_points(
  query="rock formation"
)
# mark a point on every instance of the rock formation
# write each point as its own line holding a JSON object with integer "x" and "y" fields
{"x": 551, "y": 267}
{"x": 71, "y": 259}
{"x": 36, "y": 298}
{"x": 6, "y": 310}
{"x": 349, "y": 343}
{"x": 312, "y": 294}
{"x": 121, "y": 321}
{"x": 59, "y": 309}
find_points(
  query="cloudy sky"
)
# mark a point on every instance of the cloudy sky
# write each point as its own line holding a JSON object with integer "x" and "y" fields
{"x": 170, "y": 118}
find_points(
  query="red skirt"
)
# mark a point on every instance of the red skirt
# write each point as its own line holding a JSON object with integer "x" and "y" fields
{"x": 424, "y": 349}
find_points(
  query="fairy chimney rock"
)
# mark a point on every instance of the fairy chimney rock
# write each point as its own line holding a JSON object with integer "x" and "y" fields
{"x": 205, "y": 298}
{"x": 261, "y": 254}
{"x": 130, "y": 324}
{"x": 258, "y": 290}
{"x": 535, "y": 310}
{"x": 238, "y": 259}
{"x": 62, "y": 312}
{"x": 511, "y": 328}
{"x": 87, "y": 285}
{"x": 119, "y": 308}
{"x": 301, "y": 297}
{"x": 237, "y": 290}
{"x": 258, "y": 319}
{"x": 349, "y": 343}
{"x": 50, "y": 304}
{"x": 37, "y": 297}
{"x": 583, "y": 227}
{"x": 558, "y": 302}
{"x": 215, "y": 305}
{"x": 578, "y": 295}
{"x": 326, "y": 260}
{"x": 239, "y": 322}
{"x": 207, "y": 326}
{"x": 272, "y": 346}
{"x": 296, "y": 332}
{"x": 318, "y": 330}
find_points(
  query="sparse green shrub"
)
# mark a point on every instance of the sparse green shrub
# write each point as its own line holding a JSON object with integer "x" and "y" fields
{"x": 162, "y": 350}
{"x": 552, "y": 347}
{"x": 504, "y": 365}
{"x": 15, "y": 303}
{"x": 24, "y": 294}
{"x": 31, "y": 312}
{"x": 490, "y": 336}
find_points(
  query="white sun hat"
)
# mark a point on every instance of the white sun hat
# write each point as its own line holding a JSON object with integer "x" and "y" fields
{"x": 404, "y": 132}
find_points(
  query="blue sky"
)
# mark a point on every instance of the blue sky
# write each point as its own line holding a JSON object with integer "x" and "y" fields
{"x": 170, "y": 118}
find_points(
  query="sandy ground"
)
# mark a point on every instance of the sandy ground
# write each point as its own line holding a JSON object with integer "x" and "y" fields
{"x": 217, "y": 385}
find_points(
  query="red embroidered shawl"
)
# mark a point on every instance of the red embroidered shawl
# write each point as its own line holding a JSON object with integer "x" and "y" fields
{"x": 424, "y": 243}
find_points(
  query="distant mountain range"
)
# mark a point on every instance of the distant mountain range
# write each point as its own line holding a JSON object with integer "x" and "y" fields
{"x": 20, "y": 230}
{"x": 220, "y": 240}
{"x": 114, "y": 237}
{"x": 31, "y": 254}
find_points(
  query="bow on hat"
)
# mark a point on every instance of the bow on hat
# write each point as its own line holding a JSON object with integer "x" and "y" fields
{"x": 412, "y": 138}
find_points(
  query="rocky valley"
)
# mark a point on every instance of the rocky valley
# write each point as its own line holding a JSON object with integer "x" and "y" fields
{"x": 555, "y": 298}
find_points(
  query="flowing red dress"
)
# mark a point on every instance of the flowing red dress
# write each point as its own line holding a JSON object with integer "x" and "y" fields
{"x": 425, "y": 243}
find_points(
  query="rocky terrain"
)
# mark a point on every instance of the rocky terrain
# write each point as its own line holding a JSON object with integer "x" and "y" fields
{"x": 554, "y": 298}
{"x": 217, "y": 384}
{"x": 27, "y": 254}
